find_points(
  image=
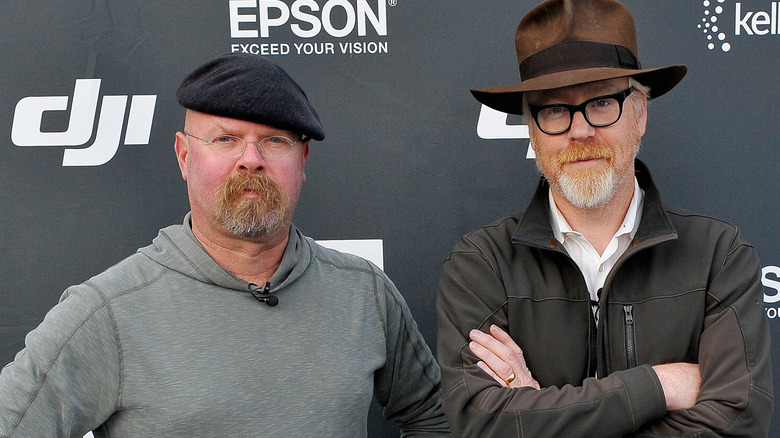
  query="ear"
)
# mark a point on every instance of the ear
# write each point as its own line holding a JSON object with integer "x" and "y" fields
{"x": 305, "y": 155}
{"x": 642, "y": 118}
{"x": 305, "y": 149}
{"x": 531, "y": 135}
{"x": 182, "y": 153}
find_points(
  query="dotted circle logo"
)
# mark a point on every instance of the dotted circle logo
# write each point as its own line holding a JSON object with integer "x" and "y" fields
{"x": 709, "y": 25}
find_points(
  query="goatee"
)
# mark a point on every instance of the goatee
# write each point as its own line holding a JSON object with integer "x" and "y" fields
{"x": 587, "y": 188}
{"x": 253, "y": 217}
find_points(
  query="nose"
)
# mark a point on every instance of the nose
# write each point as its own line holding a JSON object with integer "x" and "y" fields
{"x": 580, "y": 128}
{"x": 251, "y": 159}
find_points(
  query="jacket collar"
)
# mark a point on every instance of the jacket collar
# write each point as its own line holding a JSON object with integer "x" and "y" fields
{"x": 534, "y": 228}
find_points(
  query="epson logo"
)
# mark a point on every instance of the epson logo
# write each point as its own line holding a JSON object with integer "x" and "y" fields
{"x": 306, "y": 18}
{"x": 28, "y": 117}
{"x": 494, "y": 125}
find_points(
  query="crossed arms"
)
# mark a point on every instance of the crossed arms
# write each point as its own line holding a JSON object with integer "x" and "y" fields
{"x": 500, "y": 356}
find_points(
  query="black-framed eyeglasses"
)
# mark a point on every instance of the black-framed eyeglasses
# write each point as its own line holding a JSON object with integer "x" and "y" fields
{"x": 599, "y": 112}
{"x": 275, "y": 146}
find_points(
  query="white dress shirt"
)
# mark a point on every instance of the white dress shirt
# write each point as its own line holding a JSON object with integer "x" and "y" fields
{"x": 594, "y": 266}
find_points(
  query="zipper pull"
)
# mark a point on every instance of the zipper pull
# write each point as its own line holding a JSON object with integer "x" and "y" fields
{"x": 628, "y": 310}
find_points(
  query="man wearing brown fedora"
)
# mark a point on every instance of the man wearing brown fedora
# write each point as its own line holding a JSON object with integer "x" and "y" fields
{"x": 599, "y": 310}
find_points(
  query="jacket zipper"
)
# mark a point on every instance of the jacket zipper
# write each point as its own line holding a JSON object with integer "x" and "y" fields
{"x": 628, "y": 312}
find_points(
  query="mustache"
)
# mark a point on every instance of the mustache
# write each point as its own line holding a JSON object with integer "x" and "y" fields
{"x": 238, "y": 184}
{"x": 576, "y": 151}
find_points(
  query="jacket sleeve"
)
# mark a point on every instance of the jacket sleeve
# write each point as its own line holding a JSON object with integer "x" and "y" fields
{"x": 734, "y": 355}
{"x": 408, "y": 386}
{"x": 65, "y": 382}
{"x": 471, "y": 295}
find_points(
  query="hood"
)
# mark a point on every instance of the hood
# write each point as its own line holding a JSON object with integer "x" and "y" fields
{"x": 176, "y": 248}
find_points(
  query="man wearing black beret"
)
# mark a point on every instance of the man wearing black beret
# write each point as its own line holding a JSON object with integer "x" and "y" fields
{"x": 233, "y": 323}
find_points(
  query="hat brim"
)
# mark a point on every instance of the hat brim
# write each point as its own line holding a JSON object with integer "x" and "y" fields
{"x": 509, "y": 98}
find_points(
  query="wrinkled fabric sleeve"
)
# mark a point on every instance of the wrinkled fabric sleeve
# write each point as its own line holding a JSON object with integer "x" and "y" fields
{"x": 471, "y": 295}
{"x": 408, "y": 386}
{"x": 66, "y": 381}
{"x": 734, "y": 356}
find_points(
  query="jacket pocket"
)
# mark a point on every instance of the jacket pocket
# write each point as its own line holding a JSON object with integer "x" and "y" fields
{"x": 628, "y": 314}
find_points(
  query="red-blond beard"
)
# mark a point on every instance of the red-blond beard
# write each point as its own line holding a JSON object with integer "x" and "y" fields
{"x": 586, "y": 188}
{"x": 253, "y": 217}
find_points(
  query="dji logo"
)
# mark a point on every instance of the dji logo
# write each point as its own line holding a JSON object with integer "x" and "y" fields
{"x": 26, "y": 128}
{"x": 493, "y": 125}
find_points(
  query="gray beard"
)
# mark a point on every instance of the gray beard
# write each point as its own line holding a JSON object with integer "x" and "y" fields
{"x": 244, "y": 224}
{"x": 591, "y": 191}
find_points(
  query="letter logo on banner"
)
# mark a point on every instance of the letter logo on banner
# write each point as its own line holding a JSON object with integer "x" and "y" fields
{"x": 747, "y": 23}
{"x": 770, "y": 283}
{"x": 494, "y": 125}
{"x": 264, "y": 20}
{"x": 770, "y": 279}
{"x": 370, "y": 249}
{"x": 28, "y": 117}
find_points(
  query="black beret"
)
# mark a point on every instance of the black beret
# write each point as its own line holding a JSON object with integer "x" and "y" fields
{"x": 250, "y": 87}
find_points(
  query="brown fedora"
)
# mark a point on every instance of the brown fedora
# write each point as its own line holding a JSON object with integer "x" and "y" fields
{"x": 568, "y": 42}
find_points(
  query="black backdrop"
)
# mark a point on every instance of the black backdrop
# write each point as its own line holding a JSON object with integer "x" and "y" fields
{"x": 402, "y": 161}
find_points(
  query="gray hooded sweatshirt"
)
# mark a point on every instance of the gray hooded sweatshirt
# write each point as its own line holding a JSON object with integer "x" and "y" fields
{"x": 168, "y": 343}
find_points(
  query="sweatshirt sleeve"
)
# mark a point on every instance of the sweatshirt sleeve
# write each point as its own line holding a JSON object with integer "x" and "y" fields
{"x": 408, "y": 386}
{"x": 65, "y": 382}
{"x": 734, "y": 355}
{"x": 471, "y": 295}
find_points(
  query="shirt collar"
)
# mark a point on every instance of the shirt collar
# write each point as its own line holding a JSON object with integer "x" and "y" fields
{"x": 630, "y": 225}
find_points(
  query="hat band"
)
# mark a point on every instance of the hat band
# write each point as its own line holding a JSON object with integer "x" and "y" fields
{"x": 577, "y": 55}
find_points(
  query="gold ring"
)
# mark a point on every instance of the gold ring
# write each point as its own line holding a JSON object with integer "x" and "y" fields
{"x": 509, "y": 379}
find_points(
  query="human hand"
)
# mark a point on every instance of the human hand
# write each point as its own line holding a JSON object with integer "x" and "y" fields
{"x": 681, "y": 383}
{"x": 501, "y": 358}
